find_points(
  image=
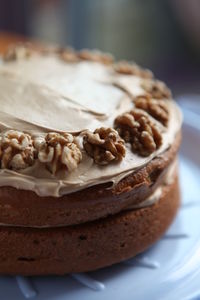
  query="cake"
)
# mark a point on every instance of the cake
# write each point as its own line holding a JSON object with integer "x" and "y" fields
{"x": 88, "y": 152}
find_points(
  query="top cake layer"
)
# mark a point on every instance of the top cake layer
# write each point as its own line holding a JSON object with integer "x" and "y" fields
{"x": 72, "y": 120}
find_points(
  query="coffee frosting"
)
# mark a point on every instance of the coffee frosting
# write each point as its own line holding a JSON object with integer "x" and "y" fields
{"x": 41, "y": 94}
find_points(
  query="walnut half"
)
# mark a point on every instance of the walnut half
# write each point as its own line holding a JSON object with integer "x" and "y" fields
{"x": 16, "y": 150}
{"x": 16, "y": 52}
{"x": 68, "y": 55}
{"x": 58, "y": 151}
{"x": 104, "y": 145}
{"x": 128, "y": 68}
{"x": 96, "y": 56}
{"x": 136, "y": 128}
{"x": 157, "y": 89}
{"x": 157, "y": 109}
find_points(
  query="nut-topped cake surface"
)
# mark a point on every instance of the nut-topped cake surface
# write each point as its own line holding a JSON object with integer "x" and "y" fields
{"x": 76, "y": 119}
{"x": 88, "y": 160}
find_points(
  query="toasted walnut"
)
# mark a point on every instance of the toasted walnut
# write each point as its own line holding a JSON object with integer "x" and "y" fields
{"x": 17, "y": 52}
{"x": 157, "y": 89}
{"x": 157, "y": 109}
{"x": 68, "y": 55}
{"x": 95, "y": 55}
{"x": 16, "y": 150}
{"x": 136, "y": 128}
{"x": 58, "y": 151}
{"x": 104, "y": 145}
{"x": 127, "y": 68}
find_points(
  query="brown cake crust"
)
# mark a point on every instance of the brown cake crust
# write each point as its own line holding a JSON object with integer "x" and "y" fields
{"x": 89, "y": 246}
{"x": 25, "y": 208}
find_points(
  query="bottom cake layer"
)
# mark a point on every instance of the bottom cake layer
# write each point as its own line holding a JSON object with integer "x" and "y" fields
{"x": 80, "y": 248}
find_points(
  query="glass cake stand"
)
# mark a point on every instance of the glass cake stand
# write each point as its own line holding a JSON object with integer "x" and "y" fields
{"x": 169, "y": 270}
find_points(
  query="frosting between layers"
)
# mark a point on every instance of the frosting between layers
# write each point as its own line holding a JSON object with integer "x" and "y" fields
{"x": 42, "y": 94}
{"x": 155, "y": 197}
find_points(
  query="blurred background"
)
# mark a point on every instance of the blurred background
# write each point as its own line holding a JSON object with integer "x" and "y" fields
{"x": 161, "y": 35}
